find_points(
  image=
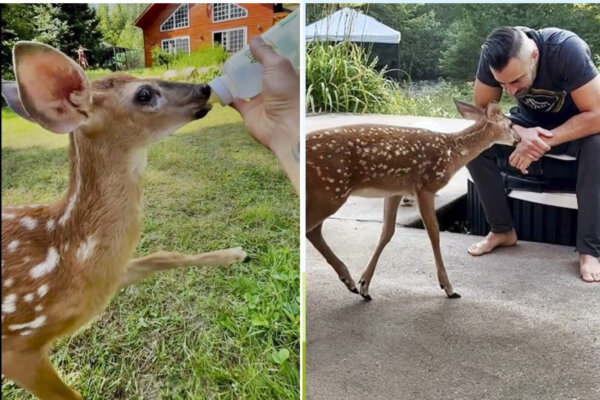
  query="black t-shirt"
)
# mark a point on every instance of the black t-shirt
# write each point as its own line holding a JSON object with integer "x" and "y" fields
{"x": 565, "y": 64}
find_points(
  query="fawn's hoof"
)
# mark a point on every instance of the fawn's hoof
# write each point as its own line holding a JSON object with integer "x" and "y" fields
{"x": 349, "y": 284}
{"x": 364, "y": 290}
{"x": 450, "y": 292}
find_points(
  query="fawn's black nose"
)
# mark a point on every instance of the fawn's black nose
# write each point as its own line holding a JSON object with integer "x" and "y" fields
{"x": 204, "y": 90}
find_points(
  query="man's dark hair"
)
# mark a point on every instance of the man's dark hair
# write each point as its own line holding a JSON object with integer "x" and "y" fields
{"x": 502, "y": 44}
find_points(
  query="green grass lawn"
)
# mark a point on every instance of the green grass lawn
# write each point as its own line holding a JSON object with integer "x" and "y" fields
{"x": 198, "y": 333}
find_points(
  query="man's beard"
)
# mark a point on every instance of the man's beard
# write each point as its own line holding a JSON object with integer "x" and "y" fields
{"x": 524, "y": 92}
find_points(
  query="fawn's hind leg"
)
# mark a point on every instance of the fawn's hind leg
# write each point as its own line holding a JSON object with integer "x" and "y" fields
{"x": 141, "y": 268}
{"x": 316, "y": 238}
{"x": 33, "y": 371}
{"x": 390, "y": 209}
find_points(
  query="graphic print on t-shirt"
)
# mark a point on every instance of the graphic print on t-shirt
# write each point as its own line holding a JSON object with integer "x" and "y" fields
{"x": 542, "y": 100}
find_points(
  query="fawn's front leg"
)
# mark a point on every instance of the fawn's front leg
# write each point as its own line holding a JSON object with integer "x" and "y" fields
{"x": 427, "y": 210}
{"x": 141, "y": 268}
{"x": 33, "y": 371}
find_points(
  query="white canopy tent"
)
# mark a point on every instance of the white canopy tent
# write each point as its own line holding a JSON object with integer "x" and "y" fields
{"x": 348, "y": 24}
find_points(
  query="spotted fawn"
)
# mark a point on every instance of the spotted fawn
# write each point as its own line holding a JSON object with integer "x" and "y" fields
{"x": 62, "y": 262}
{"x": 390, "y": 161}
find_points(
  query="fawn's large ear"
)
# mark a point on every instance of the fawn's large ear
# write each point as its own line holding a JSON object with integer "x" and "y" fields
{"x": 493, "y": 112}
{"x": 467, "y": 110}
{"x": 52, "y": 88}
{"x": 10, "y": 92}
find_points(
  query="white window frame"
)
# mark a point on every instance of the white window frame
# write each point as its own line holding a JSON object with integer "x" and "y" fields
{"x": 228, "y": 17}
{"x": 174, "y": 39}
{"x": 244, "y": 28}
{"x": 173, "y": 15}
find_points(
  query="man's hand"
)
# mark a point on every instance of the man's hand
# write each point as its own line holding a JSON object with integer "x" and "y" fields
{"x": 278, "y": 105}
{"x": 273, "y": 117}
{"x": 530, "y": 148}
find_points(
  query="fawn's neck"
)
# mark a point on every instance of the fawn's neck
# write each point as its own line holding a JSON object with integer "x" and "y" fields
{"x": 104, "y": 200}
{"x": 470, "y": 142}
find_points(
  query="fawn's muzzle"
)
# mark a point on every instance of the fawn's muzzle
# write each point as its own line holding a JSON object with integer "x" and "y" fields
{"x": 201, "y": 94}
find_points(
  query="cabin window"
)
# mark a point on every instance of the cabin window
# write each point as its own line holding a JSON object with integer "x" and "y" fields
{"x": 227, "y": 11}
{"x": 176, "y": 45}
{"x": 179, "y": 19}
{"x": 232, "y": 40}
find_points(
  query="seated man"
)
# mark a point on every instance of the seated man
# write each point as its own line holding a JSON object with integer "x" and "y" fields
{"x": 551, "y": 75}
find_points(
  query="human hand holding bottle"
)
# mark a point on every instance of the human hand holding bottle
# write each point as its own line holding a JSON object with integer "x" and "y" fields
{"x": 273, "y": 116}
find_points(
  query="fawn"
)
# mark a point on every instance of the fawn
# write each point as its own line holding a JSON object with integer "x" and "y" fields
{"x": 62, "y": 262}
{"x": 390, "y": 161}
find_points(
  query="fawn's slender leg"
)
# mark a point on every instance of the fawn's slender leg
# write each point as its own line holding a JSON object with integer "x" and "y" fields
{"x": 390, "y": 209}
{"x": 141, "y": 268}
{"x": 33, "y": 371}
{"x": 427, "y": 210}
{"x": 316, "y": 238}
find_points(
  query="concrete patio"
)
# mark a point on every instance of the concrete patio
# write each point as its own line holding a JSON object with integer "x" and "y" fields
{"x": 526, "y": 327}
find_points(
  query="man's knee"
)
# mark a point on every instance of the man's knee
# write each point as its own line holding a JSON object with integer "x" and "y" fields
{"x": 591, "y": 144}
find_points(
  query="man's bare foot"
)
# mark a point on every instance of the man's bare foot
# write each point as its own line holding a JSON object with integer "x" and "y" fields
{"x": 493, "y": 240}
{"x": 589, "y": 267}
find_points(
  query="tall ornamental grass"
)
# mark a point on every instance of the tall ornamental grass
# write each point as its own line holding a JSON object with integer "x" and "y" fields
{"x": 341, "y": 78}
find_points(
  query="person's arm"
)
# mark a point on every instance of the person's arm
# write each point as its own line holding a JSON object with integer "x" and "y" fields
{"x": 587, "y": 100}
{"x": 273, "y": 117}
{"x": 485, "y": 94}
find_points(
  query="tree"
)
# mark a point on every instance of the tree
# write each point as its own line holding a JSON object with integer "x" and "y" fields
{"x": 50, "y": 28}
{"x": 421, "y": 36}
{"x": 117, "y": 25}
{"x": 17, "y": 24}
{"x": 465, "y": 36}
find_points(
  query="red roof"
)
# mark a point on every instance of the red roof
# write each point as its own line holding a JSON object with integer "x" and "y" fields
{"x": 149, "y": 14}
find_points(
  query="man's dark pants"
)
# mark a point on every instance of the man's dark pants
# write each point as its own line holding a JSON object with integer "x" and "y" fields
{"x": 486, "y": 174}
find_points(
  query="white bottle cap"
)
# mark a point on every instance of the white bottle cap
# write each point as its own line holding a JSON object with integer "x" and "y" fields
{"x": 218, "y": 87}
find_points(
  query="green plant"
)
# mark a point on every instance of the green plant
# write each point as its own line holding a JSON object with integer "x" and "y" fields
{"x": 340, "y": 78}
{"x": 160, "y": 57}
{"x": 206, "y": 56}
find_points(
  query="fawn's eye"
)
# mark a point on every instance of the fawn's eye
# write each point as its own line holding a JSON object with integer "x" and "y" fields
{"x": 144, "y": 94}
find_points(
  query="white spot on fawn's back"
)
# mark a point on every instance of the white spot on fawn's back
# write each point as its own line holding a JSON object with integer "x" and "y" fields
{"x": 36, "y": 323}
{"x": 12, "y": 246}
{"x": 8, "y": 304}
{"x": 28, "y": 222}
{"x": 42, "y": 290}
{"x": 50, "y": 225}
{"x": 46, "y": 266}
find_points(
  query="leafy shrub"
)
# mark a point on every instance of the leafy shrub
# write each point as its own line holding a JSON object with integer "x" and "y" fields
{"x": 340, "y": 78}
{"x": 203, "y": 57}
{"x": 160, "y": 58}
